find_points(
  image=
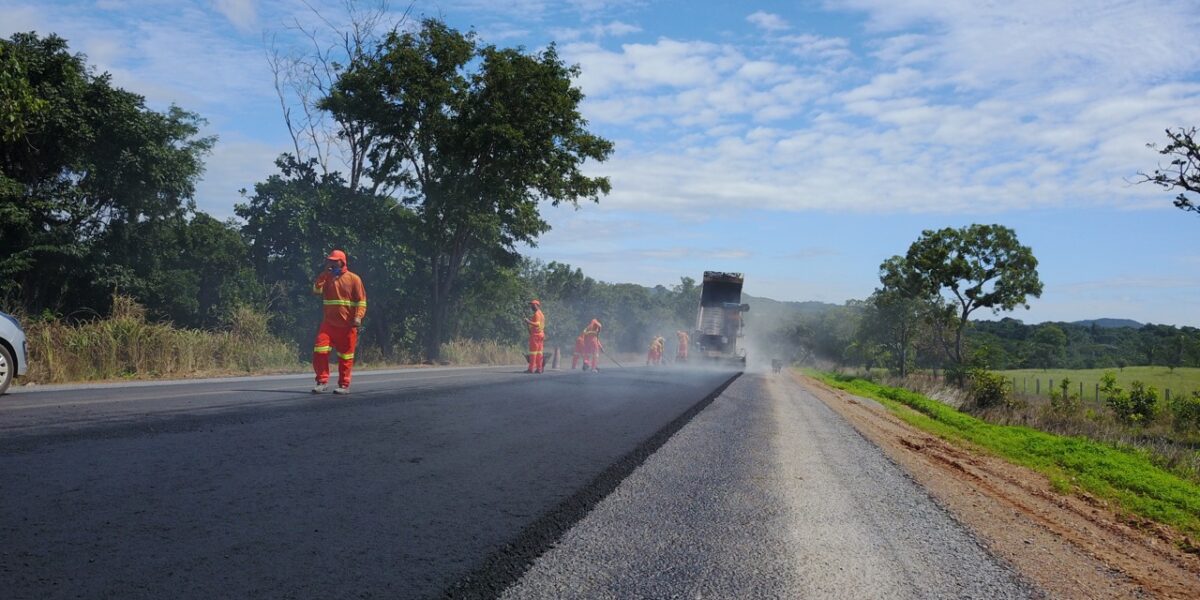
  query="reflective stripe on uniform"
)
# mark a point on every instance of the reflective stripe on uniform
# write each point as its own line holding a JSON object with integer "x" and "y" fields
{"x": 535, "y": 352}
{"x": 352, "y": 303}
{"x": 322, "y": 349}
{"x": 345, "y": 356}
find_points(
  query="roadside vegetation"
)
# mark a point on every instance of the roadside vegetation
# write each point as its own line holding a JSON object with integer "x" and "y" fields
{"x": 1125, "y": 476}
{"x": 125, "y": 345}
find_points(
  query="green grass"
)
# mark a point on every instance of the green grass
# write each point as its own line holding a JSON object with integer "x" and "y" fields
{"x": 1182, "y": 380}
{"x": 1125, "y": 477}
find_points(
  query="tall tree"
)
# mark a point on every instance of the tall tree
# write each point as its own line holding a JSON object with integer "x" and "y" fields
{"x": 304, "y": 76}
{"x": 979, "y": 266}
{"x": 295, "y": 217}
{"x": 897, "y": 309}
{"x": 473, "y": 138}
{"x": 1183, "y": 171}
{"x": 86, "y": 170}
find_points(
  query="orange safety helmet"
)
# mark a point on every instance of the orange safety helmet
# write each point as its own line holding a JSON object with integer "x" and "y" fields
{"x": 536, "y": 303}
{"x": 596, "y": 323}
{"x": 337, "y": 255}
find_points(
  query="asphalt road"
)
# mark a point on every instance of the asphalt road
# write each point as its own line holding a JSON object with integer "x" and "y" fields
{"x": 421, "y": 483}
{"x": 638, "y": 483}
{"x": 768, "y": 493}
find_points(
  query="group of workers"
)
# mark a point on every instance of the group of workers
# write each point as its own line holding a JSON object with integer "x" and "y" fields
{"x": 344, "y": 301}
{"x": 658, "y": 346}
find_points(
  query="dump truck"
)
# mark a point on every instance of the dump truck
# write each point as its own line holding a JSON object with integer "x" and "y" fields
{"x": 719, "y": 318}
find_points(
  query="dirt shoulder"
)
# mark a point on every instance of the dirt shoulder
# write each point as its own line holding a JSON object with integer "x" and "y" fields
{"x": 1070, "y": 546}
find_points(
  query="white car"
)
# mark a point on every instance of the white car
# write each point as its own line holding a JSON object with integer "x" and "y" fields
{"x": 12, "y": 351}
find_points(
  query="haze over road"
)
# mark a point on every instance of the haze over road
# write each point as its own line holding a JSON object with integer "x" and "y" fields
{"x": 254, "y": 488}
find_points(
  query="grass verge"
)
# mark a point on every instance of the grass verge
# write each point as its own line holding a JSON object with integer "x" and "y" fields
{"x": 481, "y": 352}
{"x": 1125, "y": 477}
{"x": 127, "y": 346}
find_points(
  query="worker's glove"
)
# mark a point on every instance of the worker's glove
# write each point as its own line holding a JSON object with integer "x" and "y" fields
{"x": 358, "y": 322}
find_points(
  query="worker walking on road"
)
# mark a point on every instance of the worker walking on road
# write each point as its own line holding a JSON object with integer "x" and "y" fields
{"x": 537, "y": 337}
{"x": 592, "y": 346}
{"x": 345, "y": 305}
{"x": 681, "y": 355}
{"x": 578, "y": 354}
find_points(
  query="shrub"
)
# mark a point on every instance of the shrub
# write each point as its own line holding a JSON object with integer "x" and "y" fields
{"x": 1137, "y": 406}
{"x": 1062, "y": 400}
{"x": 988, "y": 390}
{"x": 1185, "y": 412}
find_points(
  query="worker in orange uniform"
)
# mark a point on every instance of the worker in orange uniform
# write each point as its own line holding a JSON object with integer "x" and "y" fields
{"x": 537, "y": 337}
{"x": 681, "y": 355}
{"x": 578, "y": 352}
{"x": 345, "y": 305}
{"x": 654, "y": 355}
{"x": 592, "y": 346}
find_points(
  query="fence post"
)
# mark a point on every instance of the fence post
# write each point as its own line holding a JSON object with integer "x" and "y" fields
{"x": 1038, "y": 381}
{"x": 1097, "y": 392}
{"x": 1081, "y": 390}
{"x": 1050, "y": 388}
{"x": 1168, "y": 394}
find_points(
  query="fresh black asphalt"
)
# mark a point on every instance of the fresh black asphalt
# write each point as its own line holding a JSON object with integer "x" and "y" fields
{"x": 422, "y": 483}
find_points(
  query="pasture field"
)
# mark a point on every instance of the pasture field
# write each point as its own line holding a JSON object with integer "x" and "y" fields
{"x": 1183, "y": 380}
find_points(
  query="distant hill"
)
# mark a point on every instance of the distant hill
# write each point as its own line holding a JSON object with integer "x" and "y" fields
{"x": 1109, "y": 323}
{"x": 767, "y": 311}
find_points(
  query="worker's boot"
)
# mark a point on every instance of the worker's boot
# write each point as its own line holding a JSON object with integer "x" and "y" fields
{"x": 320, "y": 388}
{"x": 342, "y": 389}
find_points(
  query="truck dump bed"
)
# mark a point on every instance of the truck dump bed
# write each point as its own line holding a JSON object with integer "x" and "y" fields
{"x": 719, "y": 318}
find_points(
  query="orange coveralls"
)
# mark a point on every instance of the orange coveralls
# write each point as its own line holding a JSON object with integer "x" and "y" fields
{"x": 592, "y": 346}
{"x": 578, "y": 351}
{"x": 537, "y": 339}
{"x": 681, "y": 355}
{"x": 345, "y": 300}
{"x": 654, "y": 356}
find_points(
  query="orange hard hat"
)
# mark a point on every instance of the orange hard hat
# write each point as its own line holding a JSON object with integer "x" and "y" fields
{"x": 337, "y": 255}
{"x": 535, "y": 303}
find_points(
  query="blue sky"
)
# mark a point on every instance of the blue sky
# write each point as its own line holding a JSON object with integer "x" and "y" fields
{"x": 799, "y": 142}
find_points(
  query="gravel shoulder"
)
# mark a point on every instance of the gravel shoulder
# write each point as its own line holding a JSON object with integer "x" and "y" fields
{"x": 768, "y": 493}
{"x": 1070, "y": 546}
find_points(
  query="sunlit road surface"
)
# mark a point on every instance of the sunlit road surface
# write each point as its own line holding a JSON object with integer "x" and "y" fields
{"x": 637, "y": 483}
{"x": 768, "y": 493}
{"x": 254, "y": 487}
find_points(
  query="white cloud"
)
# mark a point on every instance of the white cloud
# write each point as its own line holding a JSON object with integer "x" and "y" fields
{"x": 834, "y": 49}
{"x": 1019, "y": 41}
{"x": 767, "y": 21}
{"x": 236, "y": 163}
{"x": 241, "y": 13}
{"x": 596, "y": 32}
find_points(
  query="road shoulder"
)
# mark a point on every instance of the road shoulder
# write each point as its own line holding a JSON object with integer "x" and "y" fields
{"x": 1070, "y": 546}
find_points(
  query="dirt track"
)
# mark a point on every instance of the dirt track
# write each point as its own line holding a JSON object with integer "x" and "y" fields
{"x": 1071, "y": 547}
